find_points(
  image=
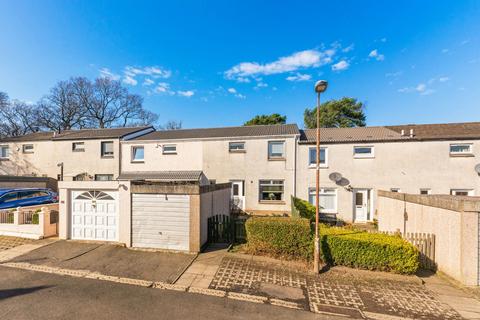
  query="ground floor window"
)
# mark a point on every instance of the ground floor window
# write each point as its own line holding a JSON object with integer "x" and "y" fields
{"x": 271, "y": 190}
{"x": 461, "y": 192}
{"x": 328, "y": 199}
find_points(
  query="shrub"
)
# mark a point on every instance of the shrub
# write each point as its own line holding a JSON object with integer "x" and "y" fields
{"x": 372, "y": 251}
{"x": 281, "y": 237}
{"x": 303, "y": 209}
{"x": 35, "y": 218}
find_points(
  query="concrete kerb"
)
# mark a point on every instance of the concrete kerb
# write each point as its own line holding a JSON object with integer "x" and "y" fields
{"x": 150, "y": 284}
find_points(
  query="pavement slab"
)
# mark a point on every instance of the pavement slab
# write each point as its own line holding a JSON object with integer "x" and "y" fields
{"x": 7, "y": 242}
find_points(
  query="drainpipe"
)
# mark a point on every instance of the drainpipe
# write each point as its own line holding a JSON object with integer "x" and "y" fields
{"x": 295, "y": 167}
{"x": 119, "y": 157}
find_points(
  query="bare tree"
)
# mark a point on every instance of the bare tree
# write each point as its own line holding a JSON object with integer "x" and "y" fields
{"x": 16, "y": 117}
{"x": 61, "y": 109}
{"x": 172, "y": 125}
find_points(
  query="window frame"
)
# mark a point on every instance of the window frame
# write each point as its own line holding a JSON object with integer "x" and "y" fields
{"x": 243, "y": 150}
{"x": 428, "y": 190}
{"x": 5, "y": 146}
{"x": 370, "y": 155}
{"x": 322, "y": 192}
{"x": 78, "y": 143}
{"x": 397, "y": 190}
{"x": 274, "y": 158}
{"x": 470, "y": 192}
{"x": 132, "y": 154}
{"x": 275, "y": 201}
{"x": 102, "y": 154}
{"x": 103, "y": 174}
{"x": 314, "y": 164}
{"x": 169, "y": 152}
{"x": 469, "y": 153}
{"x": 28, "y": 145}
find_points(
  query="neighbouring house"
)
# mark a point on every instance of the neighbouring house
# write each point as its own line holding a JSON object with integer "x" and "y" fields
{"x": 87, "y": 154}
{"x": 265, "y": 166}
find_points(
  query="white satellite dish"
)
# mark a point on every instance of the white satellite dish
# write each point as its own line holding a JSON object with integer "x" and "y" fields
{"x": 477, "y": 168}
{"x": 335, "y": 176}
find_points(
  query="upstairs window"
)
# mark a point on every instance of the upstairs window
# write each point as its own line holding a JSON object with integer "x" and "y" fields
{"x": 236, "y": 147}
{"x": 103, "y": 177}
{"x": 312, "y": 157}
{"x": 461, "y": 149}
{"x": 425, "y": 191}
{"x": 461, "y": 192}
{"x": 27, "y": 148}
{"x": 363, "y": 152}
{"x": 395, "y": 190}
{"x": 4, "y": 152}
{"x": 271, "y": 190}
{"x": 107, "y": 149}
{"x": 78, "y": 146}
{"x": 138, "y": 154}
{"x": 169, "y": 149}
{"x": 276, "y": 150}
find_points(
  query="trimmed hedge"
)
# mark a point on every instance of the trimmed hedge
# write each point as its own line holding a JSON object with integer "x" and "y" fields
{"x": 303, "y": 209}
{"x": 280, "y": 237}
{"x": 372, "y": 251}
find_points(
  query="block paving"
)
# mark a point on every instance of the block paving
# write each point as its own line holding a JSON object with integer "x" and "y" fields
{"x": 11, "y": 242}
{"x": 332, "y": 290}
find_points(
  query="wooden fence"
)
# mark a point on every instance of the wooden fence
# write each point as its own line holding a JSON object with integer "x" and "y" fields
{"x": 424, "y": 242}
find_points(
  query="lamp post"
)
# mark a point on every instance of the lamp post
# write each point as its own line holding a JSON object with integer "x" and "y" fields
{"x": 320, "y": 86}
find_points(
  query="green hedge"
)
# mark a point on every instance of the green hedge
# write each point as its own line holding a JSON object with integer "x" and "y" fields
{"x": 372, "y": 251}
{"x": 303, "y": 209}
{"x": 281, "y": 237}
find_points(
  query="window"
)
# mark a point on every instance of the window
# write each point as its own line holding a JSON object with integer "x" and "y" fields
{"x": 236, "y": 147}
{"x": 103, "y": 177}
{"x": 461, "y": 149}
{"x": 276, "y": 150}
{"x": 94, "y": 195}
{"x": 27, "y": 148}
{"x": 169, "y": 149}
{"x": 461, "y": 192}
{"x": 312, "y": 157}
{"x": 137, "y": 154}
{"x": 271, "y": 190}
{"x": 363, "y": 152}
{"x": 9, "y": 197}
{"x": 425, "y": 191}
{"x": 395, "y": 190}
{"x": 78, "y": 146}
{"x": 4, "y": 152}
{"x": 328, "y": 199}
{"x": 31, "y": 194}
{"x": 107, "y": 149}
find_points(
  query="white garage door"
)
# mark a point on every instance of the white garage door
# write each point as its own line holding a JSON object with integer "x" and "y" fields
{"x": 94, "y": 215}
{"x": 161, "y": 221}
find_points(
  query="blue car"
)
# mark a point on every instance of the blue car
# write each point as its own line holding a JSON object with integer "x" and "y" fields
{"x": 22, "y": 197}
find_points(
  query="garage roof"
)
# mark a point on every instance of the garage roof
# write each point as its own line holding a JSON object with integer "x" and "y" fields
{"x": 193, "y": 175}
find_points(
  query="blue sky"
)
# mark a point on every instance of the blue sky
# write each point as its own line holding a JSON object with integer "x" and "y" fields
{"x": 217, "y": 63}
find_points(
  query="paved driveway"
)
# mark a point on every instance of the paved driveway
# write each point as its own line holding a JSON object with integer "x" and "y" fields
{"x": 111, "y": 260}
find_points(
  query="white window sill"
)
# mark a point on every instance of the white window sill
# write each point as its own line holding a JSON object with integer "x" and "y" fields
{"x": 459, "y": 155}
{"x": 322, "y": 166}
{"x": 363, "y": 157}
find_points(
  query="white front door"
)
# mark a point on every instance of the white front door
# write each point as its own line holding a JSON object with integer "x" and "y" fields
{"x": 94, "y": 215}
{"x": 238, "y": 194}
{"x": 361, "y": 201}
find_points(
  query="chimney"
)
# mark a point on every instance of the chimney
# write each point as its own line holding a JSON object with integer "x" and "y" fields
{"x": 411, "y": 133}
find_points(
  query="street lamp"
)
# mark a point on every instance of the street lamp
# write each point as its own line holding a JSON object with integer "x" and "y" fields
{"x": 320, "y": 86}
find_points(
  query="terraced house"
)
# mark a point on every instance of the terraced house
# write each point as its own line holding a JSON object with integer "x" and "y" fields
{"x": 265, "y": 165}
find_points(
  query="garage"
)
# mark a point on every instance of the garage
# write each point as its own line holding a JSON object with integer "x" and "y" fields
{"x": 161, "y": 221}
{"x": 94, "y": 215}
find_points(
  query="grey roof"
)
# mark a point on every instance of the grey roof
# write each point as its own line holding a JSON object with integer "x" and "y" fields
{"x": 225, "y": 132}
{"x": 194, "y": 175}
{"x": 81, "y": 134}
{"x": 359, "y": 134}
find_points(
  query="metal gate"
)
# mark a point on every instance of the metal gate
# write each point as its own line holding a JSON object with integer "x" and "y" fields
{"x": 226, "y": 229}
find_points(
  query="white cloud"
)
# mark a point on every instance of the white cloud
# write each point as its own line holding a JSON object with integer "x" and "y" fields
{"x": 187, "y": 93}
{"x": 349, "y": 48}
{"x": 129, "y": 80}
{"x": 445, "y": 50}
{"x": 299, "y": 77}
{"x": 148, "y": 82}
{"x": 376, "y": 55}
{"x": 261, "y": 85}
{"x": 235, "y": 93}
{"x": 232, "y": 90}
{"x": 443, "y": 79}
{"x": 421, "y": 89}
{"x": 154, "y": 71}
{"x": 106, "y": 73}
{"x": 393, "y": 74}
{"x": 298, "y": 60}
{"x": 383, "y": 40}
{"x": 163, "y": 87}
{"x": 340, "y": 66}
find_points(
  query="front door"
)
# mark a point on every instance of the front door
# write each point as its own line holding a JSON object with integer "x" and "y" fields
{"x": 238, "y": 194}
{"x": 361, "y": 199}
